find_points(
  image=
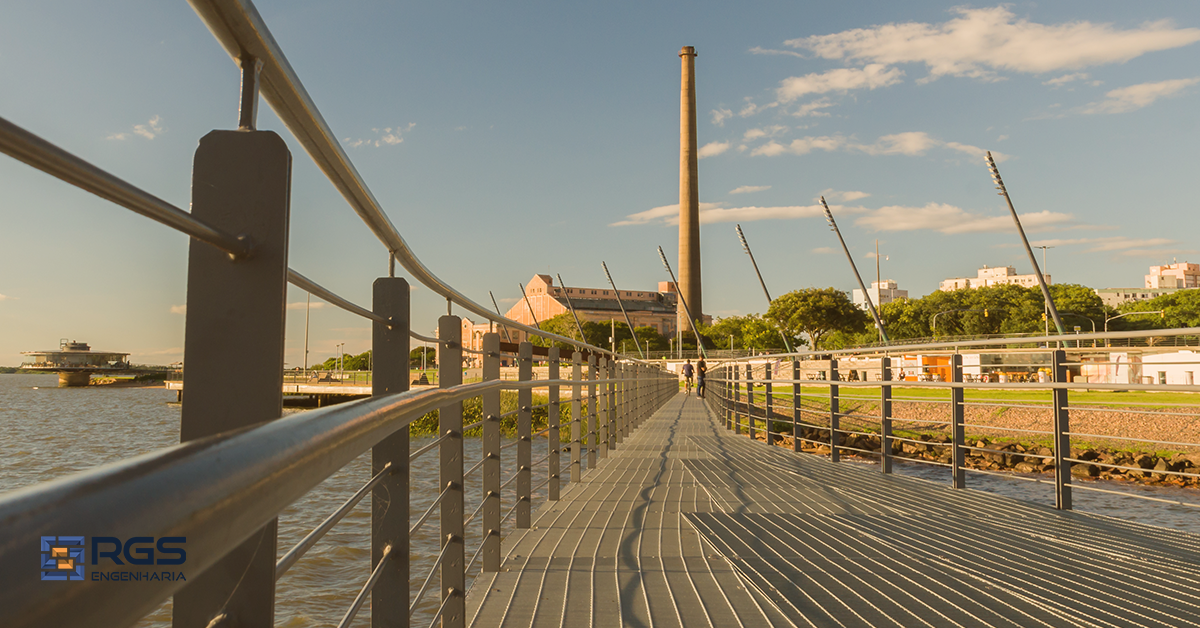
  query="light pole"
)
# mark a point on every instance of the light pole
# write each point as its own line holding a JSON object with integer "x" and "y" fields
{"x": 307, "y": 305}
{"x": 686, "y": 309}
{"x": 1058, "y": 324}
{"x": 621, "y": 304}
{"x": 1045, "y": 311}
{"x": 341, "y": 360}
{"x": 1113, "y": 318}
{"x": 866, "y": 295}
{"x": 746, "y": 247}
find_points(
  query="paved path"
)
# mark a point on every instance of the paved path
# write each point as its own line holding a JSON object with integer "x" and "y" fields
{"x": 689, "y": 525}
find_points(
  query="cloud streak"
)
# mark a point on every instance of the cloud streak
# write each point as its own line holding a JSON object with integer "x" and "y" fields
{"x": 748, "y": 189}
{"x": 150, "y": 130}
{"x": 978, "y": 43}
{"x": 712, "y": 149}
{"x": 716, "y": 212}
{"x": 386, "y": 136}
{"x": 951, "y": 220}
{"x": 1134, "y": 97}
{"x": 841, "y": 80}
{"x": 912, "y": 143}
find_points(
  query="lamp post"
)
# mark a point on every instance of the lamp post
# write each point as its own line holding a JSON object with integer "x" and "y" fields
{"x": 866, "y": 295}
{"x": 1113, "y": 318}
{"x": 1058, "y": 324}
{"x": 686, "y": 309}
{"x": 307, "y": 306}
{"x": 746, "y": 247}
{"x": 1045, "y": 310}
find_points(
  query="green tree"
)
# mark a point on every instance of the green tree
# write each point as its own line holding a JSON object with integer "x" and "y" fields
{"x": 360, "y": 362}
{"x": 816, "y": 312}
{"x": 751, "y": 331}
{"x": 414, "y": 357}
{"x": 1179, "y": 309}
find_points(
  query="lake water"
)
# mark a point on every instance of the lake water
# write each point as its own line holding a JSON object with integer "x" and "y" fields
{"x": 50, "y": 431}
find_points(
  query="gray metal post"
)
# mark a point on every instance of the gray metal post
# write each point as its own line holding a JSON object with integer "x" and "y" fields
{"x": 835, "y": 419}
{"x": 491, "y": 455}
{"x": 524, "y": 435}
{"x": 389, "y": 498}
{"x": 603, "y": 408}
{"x": 576, "y": 411}
{"x": 770, "y": 405}
{"x": 622, "y": 403}
{"x": 613, "y": 370}
{"x": 241, "y": 184}
{"x": 957, "y": 410}
{"x": 797, "y": 417}
{"x": 1062, "y": 434}
{"x": 750, "y": 400}
{"x": 885, "y": 415}
{"x": 737, "y": 401}
{"x": 591, "y": 414}
{"x": 553, "y": 418}
{"x": 450, "y": 423}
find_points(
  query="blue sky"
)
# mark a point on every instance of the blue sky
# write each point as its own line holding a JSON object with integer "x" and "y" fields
{"x": 506, "y": 139}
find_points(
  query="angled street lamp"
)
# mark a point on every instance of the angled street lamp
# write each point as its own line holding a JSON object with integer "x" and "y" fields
{"x": 867, "y": 295}
{"x": 506, "y": 334}
{"x": 530, "y": 306}
{"x": 1024, "y": 240}
{"x": 686, "y": 310}
{"x": 623, "y": 313}
{"x": 746, "y": 247}
{"x": 571, "y": 306}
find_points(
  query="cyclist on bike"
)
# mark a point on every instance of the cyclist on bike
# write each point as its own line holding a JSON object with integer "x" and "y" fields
{"x": 687, "y": 377}
{"x": 701, "y": 371}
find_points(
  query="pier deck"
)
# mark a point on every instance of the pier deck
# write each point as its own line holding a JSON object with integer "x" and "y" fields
{"x": 688, "y": 525}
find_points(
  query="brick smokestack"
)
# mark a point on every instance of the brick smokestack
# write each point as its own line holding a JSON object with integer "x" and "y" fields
{"x": 689, "y": 195}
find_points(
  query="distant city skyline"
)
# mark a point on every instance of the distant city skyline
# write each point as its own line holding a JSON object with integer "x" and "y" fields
{"x": 505, "y": 141}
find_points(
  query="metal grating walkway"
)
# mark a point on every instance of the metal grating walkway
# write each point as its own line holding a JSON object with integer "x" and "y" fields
{"x": 687, "y": 524}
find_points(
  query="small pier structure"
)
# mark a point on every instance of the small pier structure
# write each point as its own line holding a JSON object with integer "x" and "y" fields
{"x": 75, "y": 362}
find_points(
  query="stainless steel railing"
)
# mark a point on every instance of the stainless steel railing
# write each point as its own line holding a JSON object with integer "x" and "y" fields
{"x": 844, "y": 402}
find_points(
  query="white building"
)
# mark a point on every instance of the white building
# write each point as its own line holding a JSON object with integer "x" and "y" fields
{"x": 1177, "y": 275}
{"x": 997, "y": 276}
{"x": 1114, "y": 297}
{"x": 881, "y": 292}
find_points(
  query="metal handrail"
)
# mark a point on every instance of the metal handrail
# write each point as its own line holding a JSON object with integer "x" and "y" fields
{"x": 241, "y": 31}
{"x": 37, "y": 152}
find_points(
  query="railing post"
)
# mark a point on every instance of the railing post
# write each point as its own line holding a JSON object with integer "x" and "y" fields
{"x": 451, "y": 477}
{"x": 737, "y": 401}
{"x": 613, "y": 369}
{"x": 885, "y": 414}
{"x": 750, "y": 399}
{"x": 1062, "y": 434}
{"x": 591, "y": 414}
{"x": 603, "y": 408}
{"x": 576, "y": 410}
{"x": 524, "y": 435}
{"x": 553, "y": 417}
{"x": 797, "y": 417}
{"x": 835, "y": 419}
{"x": 491, "y": 455}
{"x": 622, "y": 403}
{"x": 957, "y": 413}
{"x": 389, "y": 499}
{"x": 770, "y": 404}
{"x": 241, "y": 184}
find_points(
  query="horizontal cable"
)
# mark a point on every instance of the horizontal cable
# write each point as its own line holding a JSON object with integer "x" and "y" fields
{"x": 366, "y": 590}
{"x": 474, "y": 468}
{"x": 306, "y": 284}
{"x": 428, "y": 511}
{"x": 1140, "y": 440}
{"x": 1135, "y": 469}
{"x": 420, "y": 452}
{"x": 441, "y": 609}
{"x": 1134, "y": 495}
{"x": 285, "y": 563}
{"x": 478, "y": 509}
{"x": 54, "y": 161}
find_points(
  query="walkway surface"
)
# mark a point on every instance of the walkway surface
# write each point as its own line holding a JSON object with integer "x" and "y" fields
{"x": 689, "y": 525}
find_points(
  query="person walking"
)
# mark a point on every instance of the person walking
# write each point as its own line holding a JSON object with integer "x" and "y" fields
{"x": 701, "y": 371}
{"x": 687, "y": 377}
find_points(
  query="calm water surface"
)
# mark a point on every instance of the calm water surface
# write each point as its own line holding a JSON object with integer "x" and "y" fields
{"x": 49, "y": 431}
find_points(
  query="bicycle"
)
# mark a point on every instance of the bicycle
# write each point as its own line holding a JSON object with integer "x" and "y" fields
{"x": 687, "y": 385}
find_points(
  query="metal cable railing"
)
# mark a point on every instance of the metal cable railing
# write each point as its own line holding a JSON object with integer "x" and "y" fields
{"x": 749, "y": 397}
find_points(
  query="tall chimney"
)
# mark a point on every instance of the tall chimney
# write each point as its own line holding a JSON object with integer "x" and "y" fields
{"x": 689, "y": 195}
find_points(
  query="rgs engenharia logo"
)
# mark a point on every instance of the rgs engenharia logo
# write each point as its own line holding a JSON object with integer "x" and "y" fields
{"x": 64, "y": 558}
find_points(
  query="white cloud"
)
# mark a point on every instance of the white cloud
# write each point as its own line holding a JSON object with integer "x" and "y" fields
{"x": 712, "y": 149}
{"x": 951, "y": 220}
{"x": 719, "y": 116}
{"x": 716, "y": 212}
{"x": 747, "y": 189}
{"x": 386, "y": 136}
{"x": 845, "y": 197}
{"x": 4, "y": 297}
{"x": 769, "y": 131}
{"x": 979, "y": 42}
{"x": 1135, "y": 97}
{"x": 841, "y": 80}
{"x": 813, "y": 109}
{"x": 1157, "y": 253}
{"x": 151, "y": 129}
{"x": 912, "y": 143}
{"x": 300, "y": 305}
{"x": 179, "y": 309}
{"x": 767, "y": 51}
{"x": 1105, "y": 245}
{"x": 1067, "y": 78}
{"x": 823, "y": 250}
